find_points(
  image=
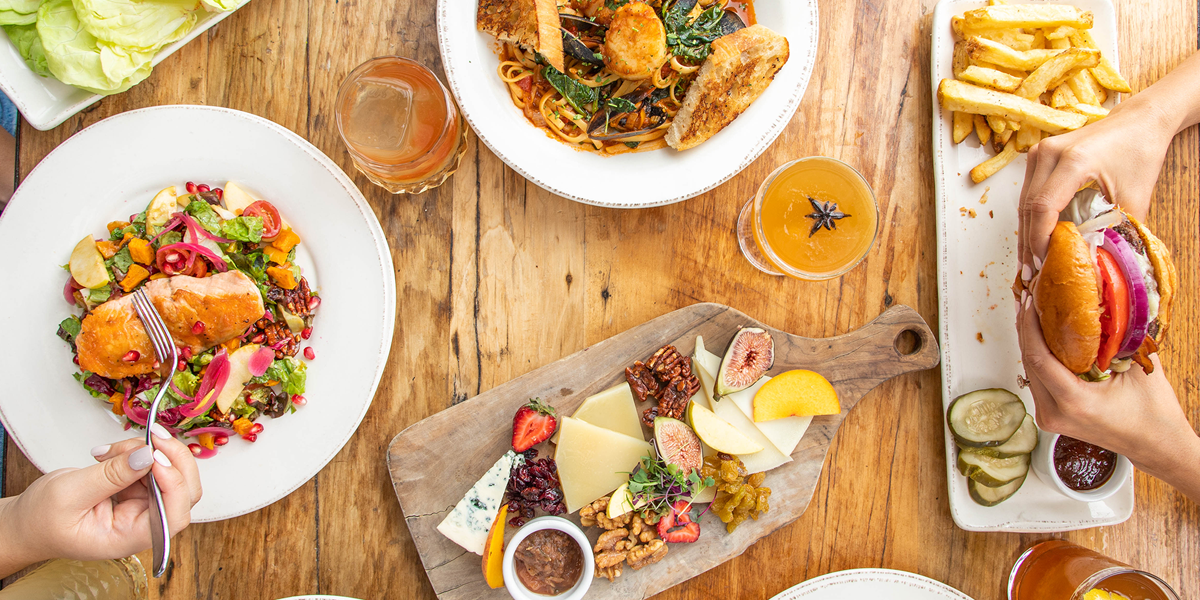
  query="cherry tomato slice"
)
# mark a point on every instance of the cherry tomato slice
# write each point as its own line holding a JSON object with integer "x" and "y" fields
{"x": 269, "y": 215}
{"x": 1114, "y": 320}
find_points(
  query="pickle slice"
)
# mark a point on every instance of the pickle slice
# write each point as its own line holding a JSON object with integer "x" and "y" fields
{"x": 993, "y": 472}
{"x": 991, "y": 496}
{"x": 985, "y": 418}
{"x": 1024, "y": 441}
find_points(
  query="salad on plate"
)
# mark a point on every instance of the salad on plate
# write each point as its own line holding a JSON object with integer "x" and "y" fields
{"x": 219, "y": 264}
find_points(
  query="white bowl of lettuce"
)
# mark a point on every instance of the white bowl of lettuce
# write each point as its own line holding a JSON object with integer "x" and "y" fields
{"x": 61, "y": 56}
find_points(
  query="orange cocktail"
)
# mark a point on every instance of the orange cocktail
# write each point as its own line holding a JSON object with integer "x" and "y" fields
{"x": 813, "y": 218}
{"x": 1060, "y": 570}
{"x": 400, "y": 125}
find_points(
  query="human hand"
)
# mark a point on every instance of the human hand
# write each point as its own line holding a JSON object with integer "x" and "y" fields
{"x": 1122, "y": 152}
{"x": 102, "y": 511}
{"x": 1132, "y": 413}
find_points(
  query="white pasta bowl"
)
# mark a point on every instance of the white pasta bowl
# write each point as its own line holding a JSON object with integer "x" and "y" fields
{"x": 632, "y": 180}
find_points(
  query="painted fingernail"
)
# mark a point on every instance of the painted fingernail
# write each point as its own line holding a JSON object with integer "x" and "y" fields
{"x": 1026, "y": 272}
{"x": 1024, "y": 296}
{"x": 1037, "y": 262}
{"x": 99, "y": 451}
{"x": 141, "y": 458}
{"x": 1028, "y": 301}
{"x": 161, "y": 458}
{"x": 160, "y": 432}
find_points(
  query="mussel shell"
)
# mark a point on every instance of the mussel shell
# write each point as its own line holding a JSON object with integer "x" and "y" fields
{"x": 729, "y": 23}
{"x": 586, "y": 22}
{"x": 576, "y": 49}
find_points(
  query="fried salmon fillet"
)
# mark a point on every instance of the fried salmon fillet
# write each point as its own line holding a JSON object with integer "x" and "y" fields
{"x": 227, "y": 304}
{"x": 738, "y": 71}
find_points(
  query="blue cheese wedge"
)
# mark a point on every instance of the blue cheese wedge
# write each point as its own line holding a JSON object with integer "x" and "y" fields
{"x": 468, "y": 524}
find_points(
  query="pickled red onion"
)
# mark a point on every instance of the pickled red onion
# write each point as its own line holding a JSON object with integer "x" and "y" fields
{"x": 1139, "y": 301}
{"x": 260, "y": 361}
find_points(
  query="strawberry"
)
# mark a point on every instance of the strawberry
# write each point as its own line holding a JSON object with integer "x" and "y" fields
{"x": 533, "y": 424}
{"x": 678, "y": 527}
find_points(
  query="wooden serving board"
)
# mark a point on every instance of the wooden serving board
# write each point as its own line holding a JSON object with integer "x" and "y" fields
{"x": 434, "y": 462}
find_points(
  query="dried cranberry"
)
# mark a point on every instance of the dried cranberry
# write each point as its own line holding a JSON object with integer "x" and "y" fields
{"x": 531, "y": 454}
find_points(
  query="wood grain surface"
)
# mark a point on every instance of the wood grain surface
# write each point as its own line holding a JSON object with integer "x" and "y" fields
{"x": 435, "y": 461}
{"x": 496, "y": 277}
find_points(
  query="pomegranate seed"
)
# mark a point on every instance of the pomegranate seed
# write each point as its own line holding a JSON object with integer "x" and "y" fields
{"x": 314, "y": 302}
{"x": 220, "y": 193}
{"x": 198, "y": 328}
{"x": 257, "y": 428}
{"x": 306, "y": 332}
{"x": 191, "y": 187}
{"x": 299, "y": 400}
{"x": 196, "y": 449}
{"x": 309, "y": 353}
{"x": 220, "y": 440}
{"x": 172, "y": 257}
{"x": 131, "y": 356}
{"x": 250, "y": 437}
{"x": 258, "y": 339}
{"x": 76, "y": 359}
{"x": 156, "y": 364}
{"x": 186, "y": 353}
{"x": 182, "y": 365}
{"x": 203, "y": 188}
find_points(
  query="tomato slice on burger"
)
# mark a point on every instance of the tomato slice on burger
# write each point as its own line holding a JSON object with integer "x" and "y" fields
{"x": 1114, "y": 318}
{"x": 269, "y": 215}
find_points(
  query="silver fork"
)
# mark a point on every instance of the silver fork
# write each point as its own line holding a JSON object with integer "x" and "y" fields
{"x": 168, "y": 356}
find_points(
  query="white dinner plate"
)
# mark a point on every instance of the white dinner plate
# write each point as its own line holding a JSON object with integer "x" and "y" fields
{"x": 977, "y": 263}
{"x": 871, "y": 584}
{"x": 634, "y": 180}
{"x": 45, "y": 101}
{"x": 110, "y": 171}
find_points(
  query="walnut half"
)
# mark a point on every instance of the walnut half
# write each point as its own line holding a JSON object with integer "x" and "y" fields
{"x": 646, "y": 554}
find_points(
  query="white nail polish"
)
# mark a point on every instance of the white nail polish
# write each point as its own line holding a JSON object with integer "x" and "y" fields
{"x": 1024, "y": 296}
{"x": 1028, "y": 301}
{"x": 160, "y": 432}
{"x": 99, "y": 451}
{"x": 1037, "y": 262}
{"x": 1026, "y": 273}
{"x": 161, "y": 458}
{"x": 142, "y": 458}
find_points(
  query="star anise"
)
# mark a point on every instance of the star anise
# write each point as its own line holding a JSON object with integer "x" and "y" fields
{"x": 826, "y": 215}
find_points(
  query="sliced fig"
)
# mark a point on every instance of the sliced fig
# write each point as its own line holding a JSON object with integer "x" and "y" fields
{"x": 677, "y": 444}
{"x": 750, "y": 355}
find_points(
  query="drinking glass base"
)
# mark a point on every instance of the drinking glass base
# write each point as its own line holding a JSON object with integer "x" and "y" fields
{"x": 745, "y": 235}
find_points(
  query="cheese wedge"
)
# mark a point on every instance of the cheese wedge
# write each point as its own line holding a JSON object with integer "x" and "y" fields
{"x": 593, "y": 461}
{"x": 764, "y": 460}
{"x": 468, "y": 524}
{"x": 613, "y": 409}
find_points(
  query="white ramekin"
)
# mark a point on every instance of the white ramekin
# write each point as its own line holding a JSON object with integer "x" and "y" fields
{"x": 518, "y": 590}
{"x": 1043, "y": 467}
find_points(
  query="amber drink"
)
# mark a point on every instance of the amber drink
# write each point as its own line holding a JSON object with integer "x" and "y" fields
{"x": 813, "y": 218}
{"x": 1060, "y": 570}
{"x": 62, "y": 579}
{"x": 400, "y": 125}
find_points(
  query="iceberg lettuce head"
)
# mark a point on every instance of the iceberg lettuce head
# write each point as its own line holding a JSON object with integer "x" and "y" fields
{"x": 78, "y": 58}
{"x": 137, "y": 24}
{"x": 29, "y": 44}
{"x": 19, "y": 12}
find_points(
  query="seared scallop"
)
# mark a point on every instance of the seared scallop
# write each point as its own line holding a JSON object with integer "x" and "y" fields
{"x": 596, "y": 10}
{"x": 636, "y": 44}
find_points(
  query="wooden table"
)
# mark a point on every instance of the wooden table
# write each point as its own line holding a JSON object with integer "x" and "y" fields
{"x": 496, "y": 277}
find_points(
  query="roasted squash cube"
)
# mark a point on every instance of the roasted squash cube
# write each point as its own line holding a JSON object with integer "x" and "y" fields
{"x": 141, "y": 251}
{"x": 135, "y": 275}
{"x": 282, "y": 277}
{"x": 286, "y": 240}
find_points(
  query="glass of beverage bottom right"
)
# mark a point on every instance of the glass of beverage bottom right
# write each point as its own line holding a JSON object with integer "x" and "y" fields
{"x": 1060, "y": 570}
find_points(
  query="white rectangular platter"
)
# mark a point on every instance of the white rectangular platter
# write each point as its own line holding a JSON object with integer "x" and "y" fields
{"x": 976, "y": 265}
{"x": 46, "y": 102}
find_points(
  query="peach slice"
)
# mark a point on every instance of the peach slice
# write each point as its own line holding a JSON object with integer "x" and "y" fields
{"x": 493, "y": 551}
{"x": 796, "y": 393}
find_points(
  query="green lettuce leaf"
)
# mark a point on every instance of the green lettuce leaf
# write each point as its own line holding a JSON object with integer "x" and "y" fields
{"x": 289, "y": 372}
{"x": 205, "y": 216}
{"x": 77, "y": 58}
{"x": 19, "y": 12}
{"x": 243, "y": 229}
{"x": 145, "y": 25}
{"x": 221, "y": 5}
{"x": 29, "y": 44}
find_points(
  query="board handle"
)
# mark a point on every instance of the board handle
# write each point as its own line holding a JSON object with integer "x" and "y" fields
{"x": 898, "y": 341}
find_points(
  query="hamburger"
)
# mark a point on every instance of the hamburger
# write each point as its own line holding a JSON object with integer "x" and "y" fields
{"x": 1103, "y": 293}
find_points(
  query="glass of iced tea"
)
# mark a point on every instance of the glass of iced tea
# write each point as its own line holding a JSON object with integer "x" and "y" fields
{"x": 814, "y": 218}
{"x": 400, "y": 125}
{"x": 1060, "y": 570}
{"x": 122, "y": 579}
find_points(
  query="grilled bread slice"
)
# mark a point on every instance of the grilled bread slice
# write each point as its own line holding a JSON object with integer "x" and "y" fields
{"x": 739, "y": 69}
{"x": 529, "y": 23}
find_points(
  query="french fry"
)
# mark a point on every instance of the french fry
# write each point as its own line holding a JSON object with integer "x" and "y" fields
{"x": 1093, "y": 113}
{"x": 960, "y": 96}
{"x": 962, "y": 58}
{"x": 1012, "y": 38}
{"x": 1059, "y": 44}
{"x": 1106, "y": 73}
{"x": 1059, "y": 33}
{"x": 997, "y": 124}
{"x": 993, "y": 165}
{"x": 1000, "y": 139}
{"x": 1026, "y": 138}
{"x": 1063, "y": 96}
{"x": 1039, "y": 40}
{"x": 1018, "y": 73}
{"x": 1041, "y": 78}
{"x": 983, "y": 49}
{"x": 1082, "y": 88}
{"x": 990, "y": 78}
{"x": 963, "y": 122}
{"x": 1027, "y": 15}
{"x": 982, "y": 130}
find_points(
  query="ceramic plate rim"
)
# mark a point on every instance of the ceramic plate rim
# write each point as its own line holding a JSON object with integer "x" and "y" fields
{"x": 488, "y": 130}
{"x": 386, "y": 272}
{"x": 850, "y": 576}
